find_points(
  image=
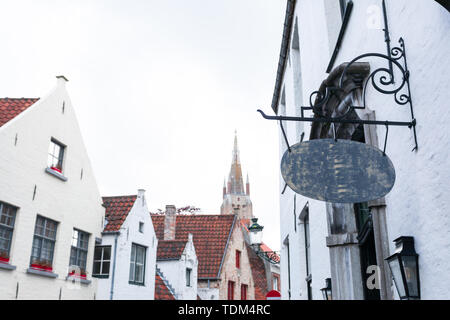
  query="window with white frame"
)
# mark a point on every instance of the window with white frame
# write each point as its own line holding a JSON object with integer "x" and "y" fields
{"x": 7, "y": 218}
{"x": 141, "y": 227}
{"x": 102, "y": 261}
{"x": 43, "y": 243}
{"x": 55, "y": 155}
{"x": 275, "y": 283}
{"x": 78, "y": 252}
{"x": 137, "y": 264}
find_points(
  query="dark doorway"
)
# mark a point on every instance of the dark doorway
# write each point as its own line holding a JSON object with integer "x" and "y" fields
{"x": 365, "y": 235}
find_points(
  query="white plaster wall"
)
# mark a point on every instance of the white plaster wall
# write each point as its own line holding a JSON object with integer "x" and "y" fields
{"x": 175, "y": 273}
{"x": 75, "y": 203}
{"x": 208, "y": 293}
{"x": 313, "y": 57}
{"x": 129, "y": 233}
{"x": 417, "y": 205}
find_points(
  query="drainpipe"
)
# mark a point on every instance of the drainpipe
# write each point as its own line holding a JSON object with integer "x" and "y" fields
{"x": 114, "y": 266}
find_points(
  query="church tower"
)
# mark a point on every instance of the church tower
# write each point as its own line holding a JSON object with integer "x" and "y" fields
{"x": 236, "y": 199}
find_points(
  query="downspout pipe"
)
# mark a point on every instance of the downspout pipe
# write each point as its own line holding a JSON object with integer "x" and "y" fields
{"x": 114, "y": 266}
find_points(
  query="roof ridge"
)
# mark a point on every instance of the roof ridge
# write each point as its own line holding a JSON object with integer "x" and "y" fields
{"x": 23, "y": 98}
{"x": 124, "y": 196}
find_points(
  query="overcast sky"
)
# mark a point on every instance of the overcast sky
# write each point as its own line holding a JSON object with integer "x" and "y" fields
{"x": 159, "y": 87}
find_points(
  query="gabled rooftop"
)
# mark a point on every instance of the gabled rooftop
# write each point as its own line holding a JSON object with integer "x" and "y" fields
{"x": 12, "y": 107}
{"x": 170, "y": 249}
{"x": 117, "y": 209}
{"x": 210, "y": 236}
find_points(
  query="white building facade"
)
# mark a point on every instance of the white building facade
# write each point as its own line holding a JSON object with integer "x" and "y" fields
{"x": 180, "y": 269}
{"x": 125, "y": 260}
{"x": 342, "y": 241}
{"x": 50, "y": 206}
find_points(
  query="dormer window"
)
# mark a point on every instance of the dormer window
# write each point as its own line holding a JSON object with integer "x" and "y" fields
{"x": 56, "y": 155}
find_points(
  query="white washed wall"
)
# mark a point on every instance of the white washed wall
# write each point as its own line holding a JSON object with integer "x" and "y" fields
{"x": 417, "y": 204}
{"x": 129, "y": 233}
{"x": 175, "y": 273}
{"x": 75, "y": 203}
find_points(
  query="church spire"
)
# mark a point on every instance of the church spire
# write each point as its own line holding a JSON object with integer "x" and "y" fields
{"x": 235, "y": 180}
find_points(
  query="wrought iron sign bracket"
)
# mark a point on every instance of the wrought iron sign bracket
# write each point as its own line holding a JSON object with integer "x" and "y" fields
{"x": 382, "y": 80}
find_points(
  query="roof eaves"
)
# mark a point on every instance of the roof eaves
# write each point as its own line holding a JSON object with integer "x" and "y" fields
{"x": 226, "y": 246}
{"x": 283, "y": 53}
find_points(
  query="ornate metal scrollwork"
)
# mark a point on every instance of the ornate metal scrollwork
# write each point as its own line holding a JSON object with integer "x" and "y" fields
{"x": 381, "y": 79}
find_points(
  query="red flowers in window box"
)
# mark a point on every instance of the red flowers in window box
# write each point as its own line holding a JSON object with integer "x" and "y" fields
{"x": 75, "y": 274}
{"x": 4, "y": 258}
{"x": 41, "y": 265}
{"x": 56, "y": 169}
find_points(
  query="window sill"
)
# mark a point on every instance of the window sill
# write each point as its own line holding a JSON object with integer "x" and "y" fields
{"x": 7, "y": 266}
{"x": 47, "y": 274}
{"x": 136, "y": 284}
{"x": 101, "y": 276}
{"x": 56, "y": 174}
{"x": 75, "y": 279}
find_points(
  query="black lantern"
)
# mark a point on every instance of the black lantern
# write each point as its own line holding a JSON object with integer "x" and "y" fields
{"x": 255, "y": 233}
{"x": 404, "y": 265}
{"x": 326, "y": 292}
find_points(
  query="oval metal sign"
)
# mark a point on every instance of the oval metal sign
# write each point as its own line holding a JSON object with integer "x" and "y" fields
{"x": 341, "y": 171}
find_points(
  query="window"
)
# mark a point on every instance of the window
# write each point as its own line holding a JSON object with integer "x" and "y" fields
{"x": 288, "y": 253}
{"x": 141, "y": 227}
{"x": 55, "y": 155}
{"x": 43, "y": 244}
{"x": 275, "y": 283}
{"x": 188, "y": 277}
{"x": 7, "y": 218}
{"x": 137, "y": 264}
{"x": 238, "y": 259}
{"x": 244, "y": 288}
{"x": 102, "y": 261}
{"x": 230, "y": 290}
{"x": 78, "y": 252}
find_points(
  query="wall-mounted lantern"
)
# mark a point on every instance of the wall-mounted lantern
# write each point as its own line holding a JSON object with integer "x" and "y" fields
{"x": 326, "y": 292}
{"x": 255, "y": 233}
{"x": 404, "y": 265}
{"x": 255, "y": 237}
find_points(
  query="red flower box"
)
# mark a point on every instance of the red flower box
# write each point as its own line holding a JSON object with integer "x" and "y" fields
{"x": 41, "y": 267}
{"x": 56, "y": 169}
{"x": 73, "y": 274}
{"x": 4, "y": 260}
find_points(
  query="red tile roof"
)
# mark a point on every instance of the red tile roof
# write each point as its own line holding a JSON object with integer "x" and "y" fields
{"x": 258, "y": 273}
{"x": 275, "y": 257}
{"x": 170, "y": 249}
{"x": 117, "y": 209}
{"x": 210, "y": 236}
{"x": 12, "y": 107}
{"x": 162, "y": 292}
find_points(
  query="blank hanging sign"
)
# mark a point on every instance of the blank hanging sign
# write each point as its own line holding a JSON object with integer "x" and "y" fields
{"x": 341, "y": 171}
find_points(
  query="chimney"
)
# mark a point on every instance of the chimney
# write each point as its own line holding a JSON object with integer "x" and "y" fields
{"x": 61, "y": 80}
{"x": 170, "y": 222}
{"x": 141, "y": 195}
{"x": 190, "y": 237}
